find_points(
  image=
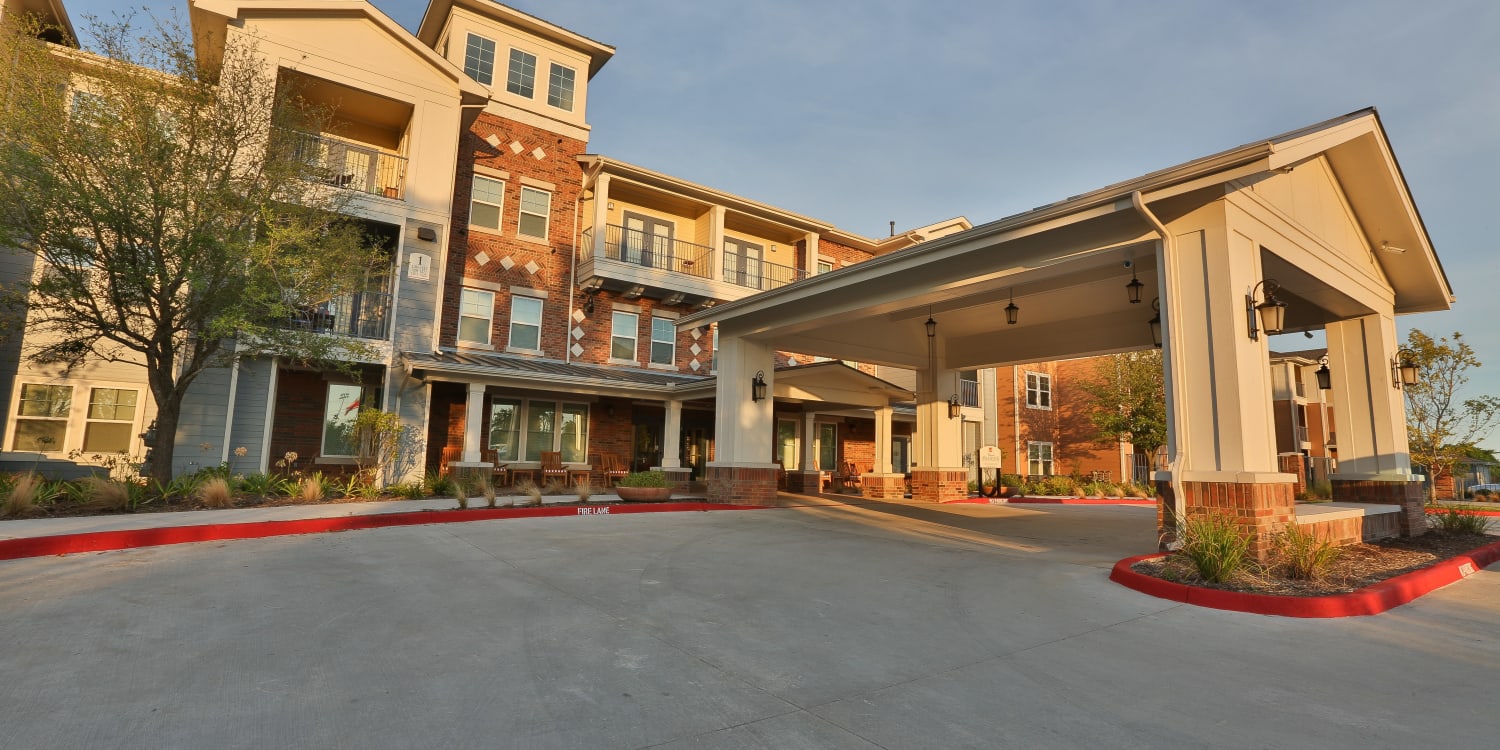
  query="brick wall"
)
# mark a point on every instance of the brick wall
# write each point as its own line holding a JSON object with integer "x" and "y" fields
{"x": 1408, "y": 495}
{"x": 742, "y": 486}
{"x": 933, "y": 486}
{"x": 1066, "y": 425}
{"x": 1261, "y": 509}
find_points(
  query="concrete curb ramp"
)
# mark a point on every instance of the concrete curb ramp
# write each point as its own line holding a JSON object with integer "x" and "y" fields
{"x": 101, "y": 541}
{"x": 1371, "y": 600}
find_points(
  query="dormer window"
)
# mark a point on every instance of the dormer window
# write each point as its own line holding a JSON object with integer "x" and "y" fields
{"x": 479, "y": 59}
{"x": 521, "y": 80}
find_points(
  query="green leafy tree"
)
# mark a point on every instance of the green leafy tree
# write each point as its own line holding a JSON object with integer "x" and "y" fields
{"x": 1127, "y": 400}
{"x": 1442, "y": 424}
{"x": 172, "y": 207}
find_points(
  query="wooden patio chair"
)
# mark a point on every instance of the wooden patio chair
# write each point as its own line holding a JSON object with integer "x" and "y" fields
{"x": 611, "y": 468}
{"x": 552, "y": 467}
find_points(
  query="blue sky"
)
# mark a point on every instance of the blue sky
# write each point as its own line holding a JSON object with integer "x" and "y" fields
{"x": 860, "y": 112}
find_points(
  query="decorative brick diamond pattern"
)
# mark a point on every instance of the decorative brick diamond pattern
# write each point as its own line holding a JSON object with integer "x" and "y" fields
{"x": 516, "y": 147}
{"x": 695, "y": 349}
{"x": 507, "y": 263}
{"x": 577, "y": 350}
{"x": 694, "y": 366}
{"x": 577, "y": 332}
{"x": 578, "y": 316}
{"x": 532, "y": 267}
{"x": 538, "y": 154}
{"x": 493, "y": 140}
{"x": 482, "y": 259}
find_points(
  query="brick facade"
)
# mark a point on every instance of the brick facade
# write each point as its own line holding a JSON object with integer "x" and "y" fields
{"x": 1066, "y": 425}
{"x": 885, "y": 487}
{"x": 1342, "y": 531}
{"x": 1408, "y": 495}
{"x": 937, "y": 486}
{"x": 742, "y": 485}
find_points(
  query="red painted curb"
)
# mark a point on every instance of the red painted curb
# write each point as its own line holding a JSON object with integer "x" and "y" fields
{"x": 1440, "y": 511}
{"x": 1371, "y": 600}
{"x": 1076, "y": 501}
{"x": 100, "y": 541}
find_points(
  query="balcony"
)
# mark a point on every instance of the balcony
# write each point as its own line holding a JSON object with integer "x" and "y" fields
{"x": 352, "y": 165}
{"x": 663, "y": 253}
{"x": 362, "y": 315}
{"x": 1302, "y": 434}
{"x": 754, "y": 273}
{"x": 968, "y": 392}
{"x": 662, "y": 267}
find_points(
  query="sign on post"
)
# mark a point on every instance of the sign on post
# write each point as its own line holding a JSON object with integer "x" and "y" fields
{"x": 990, "y": 457}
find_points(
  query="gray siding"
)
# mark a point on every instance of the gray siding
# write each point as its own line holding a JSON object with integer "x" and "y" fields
{"x": 250, "y": 415}
{"x": 416, "y": 299}
{"x": 413, "y": 395}
{"x": 202, "y": 422}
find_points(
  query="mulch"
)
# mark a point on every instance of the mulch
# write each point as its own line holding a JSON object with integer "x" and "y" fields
{"x": 1357, "y": 566}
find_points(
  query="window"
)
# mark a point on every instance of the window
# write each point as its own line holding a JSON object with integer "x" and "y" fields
{"x": 560, "y": 87}
{"x": 663, "y": 342}
{"x": 573, "y": 437}
{"x": 1039, "y": 459}
{"x": 505, "y": 429}
{"x": 525, "y": 323}
{"x": 1038, "y": 390}
{"x": 828, "y": 447}
{"x": 42, "y": 417}
{"x": 484, "y": 203}
{"x": 713, "y": 354}
{"x": 824, "y": 267}
{"x": 522, "y": 77}
{"x": 479, "y": 59}
{"x": 536, "y": 206}
{"x": 787, "y": 445}
{"x": 111, "y": 420}
{"x": 339, "y": 413}
{"x": 624, "y": 330}
{"x": 541, "y": 428}
{"x": 476, "y": 309}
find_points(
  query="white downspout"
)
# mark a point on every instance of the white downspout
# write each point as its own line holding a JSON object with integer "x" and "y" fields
{"x": 1168, "y": 274}
{"x": 1015, "y": 404}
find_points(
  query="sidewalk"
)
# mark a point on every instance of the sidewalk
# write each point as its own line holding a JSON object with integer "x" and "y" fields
{"x": 43, "y": 527}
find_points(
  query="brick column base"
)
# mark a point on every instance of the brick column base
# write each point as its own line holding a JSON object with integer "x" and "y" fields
{"x": 884, "y": 486}
{"x": 1294, "y": 463}
{"x": 680, "y": 478}
{"x": 1262, "y": 510}
{"x": 743, "y": 485}
{"x": 939, "y": 485}
{"x": 804, "y": 482}
{"x": 1409, "y": 495}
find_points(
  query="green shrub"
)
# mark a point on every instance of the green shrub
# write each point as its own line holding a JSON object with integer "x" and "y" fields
{"x": 1459, "y": 521}
{"x": 1012, "y": 481}
{"x": 1216, "y": 545}
{"x": 644, "y": 479}
{"x": 408, "y": 490}
{"x": 265, "y": 485}
{"x": 1320, "y": 491}
{"x": 1301, "y": 555}
{"x": 440, "y": 485}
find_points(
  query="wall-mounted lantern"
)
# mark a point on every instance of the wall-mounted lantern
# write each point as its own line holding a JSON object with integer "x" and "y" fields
{"x": 758, "y": 386}
{"x": 1404, "y": 370}
{"x": 955, "y": 409}
{"x": 1155, "y": 323}
{"x": 1271, "y": 312}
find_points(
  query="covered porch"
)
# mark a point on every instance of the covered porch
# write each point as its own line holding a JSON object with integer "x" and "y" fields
{"x": 1316, "y": 225}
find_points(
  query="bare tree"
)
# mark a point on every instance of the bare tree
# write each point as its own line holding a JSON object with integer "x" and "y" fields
{"x": 1441, "y": 424}
{"x": 171, "y": 204}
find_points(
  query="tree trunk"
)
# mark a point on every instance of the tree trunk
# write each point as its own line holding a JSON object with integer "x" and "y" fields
{"x": 167, "y": 414}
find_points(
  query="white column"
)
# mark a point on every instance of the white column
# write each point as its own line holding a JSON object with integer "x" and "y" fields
{"x": 1218, "y": 381}
{"x": 939, "y": 438}
{"x": 743, "y": 430}
{"x": 1369, "y": 414}
{"x": 601, "y": 214}
{"x": 716, "y": 242}
{"x": 671, "y": 455}
{"x": 473, "y": 419}
{"x": 883, "y": 440}
{"x": 812, "y": 253}
{"x": 809, "y": 448}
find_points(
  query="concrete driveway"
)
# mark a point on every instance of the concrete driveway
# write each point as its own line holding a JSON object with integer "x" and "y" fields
{"x": 883, "y": 625}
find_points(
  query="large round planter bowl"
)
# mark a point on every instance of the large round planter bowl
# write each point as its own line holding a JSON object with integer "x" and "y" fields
{"x": 644, "y": 494}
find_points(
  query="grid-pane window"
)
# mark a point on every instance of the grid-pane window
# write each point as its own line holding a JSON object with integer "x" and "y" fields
{"x": 1038, "y": 390}
{"x": 541, "y": 426}
{"x": 42, "y": 417}
{"x": 475, "y": 309}
{"x": 623, "y": 334}
{"x": 713, "y": 357}
{"x": 111, "y": 420}
{"x": 505, "y": 429}
{"x": 339, "y": 413}
{"x": 522, "y": 77}
{"x": 525, "y": 323}
{"x": 536, "y": 205}
{"x": 663, "y": 342}
{"x": 479, "y": 59}
{"x": 485, "y": 201}
{"x": 560, "y": 87}
{"x": 573, "y": 433}
{"x": 1039, "y": 459}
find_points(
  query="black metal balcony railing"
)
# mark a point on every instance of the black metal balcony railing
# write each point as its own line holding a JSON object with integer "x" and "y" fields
{"x": 352, "y": 165}
{"x": 362, "y": 315}
{"x": 754, "y": 273}
{"x": 968, "y": 392}
{"x": 1302, "y": 434}
{"x": 653, "y": 251}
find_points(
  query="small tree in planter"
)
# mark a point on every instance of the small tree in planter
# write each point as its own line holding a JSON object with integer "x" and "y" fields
{"x": 644, "y": 486}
